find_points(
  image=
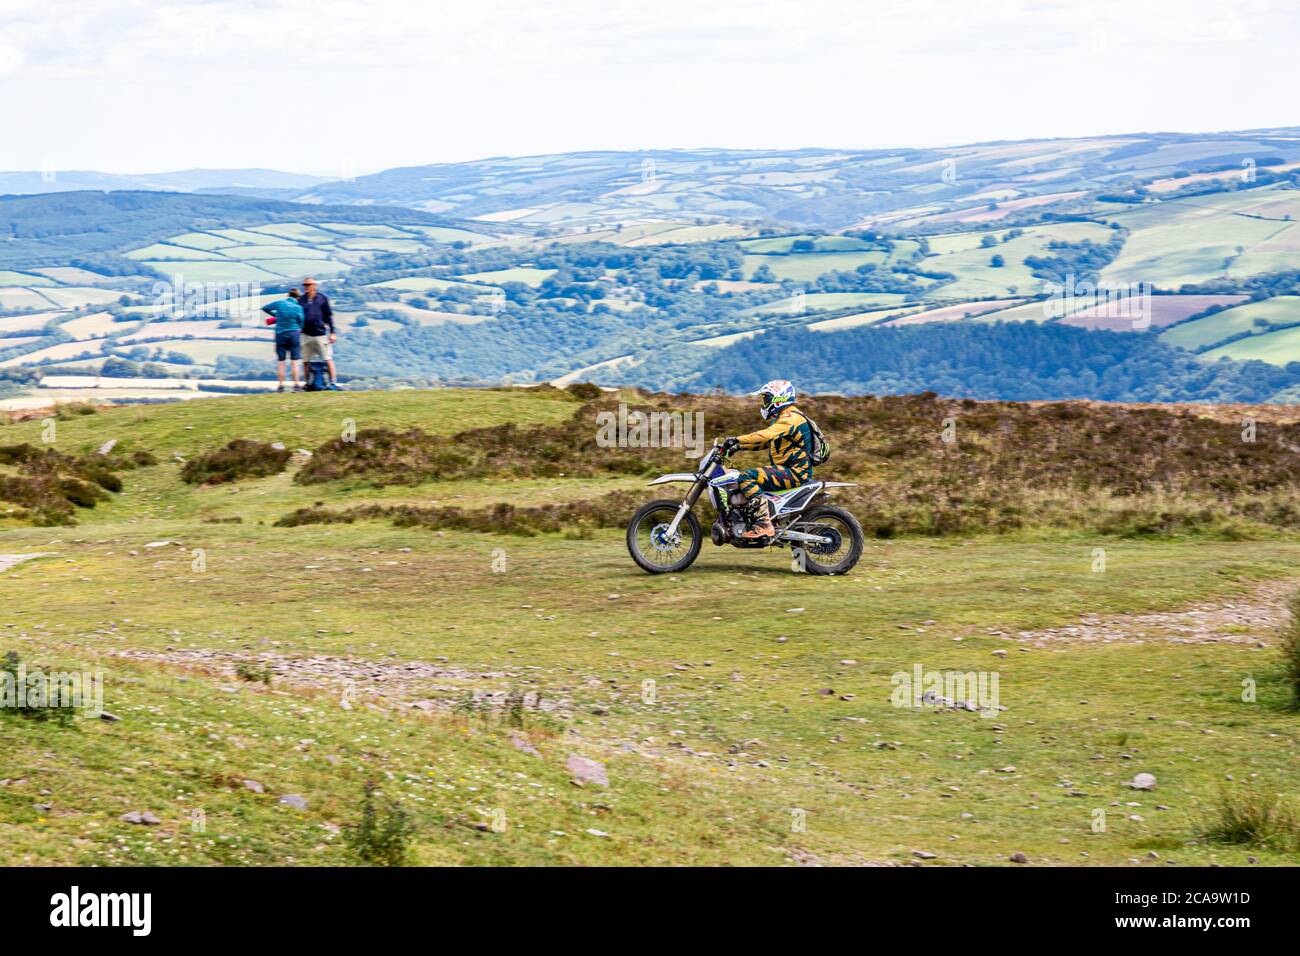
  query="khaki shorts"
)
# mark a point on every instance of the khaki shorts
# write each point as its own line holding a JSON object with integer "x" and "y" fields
{"x": 317, "y": 348}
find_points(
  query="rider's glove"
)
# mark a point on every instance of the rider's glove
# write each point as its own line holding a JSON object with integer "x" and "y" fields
{"x": 730, "y": 446}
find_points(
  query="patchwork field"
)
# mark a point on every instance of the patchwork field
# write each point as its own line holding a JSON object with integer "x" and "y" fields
{"x": 955, "y": 313}
{"x": 1193, "y": 240}
{"x": 826, "y": 302}
{"x": 979, "y": 277}
{"x": 1159, "y": 311}
{"x": 1276, "y": 348}
{"x": 1253, "y": 318}
{"x": 802, "y": 267}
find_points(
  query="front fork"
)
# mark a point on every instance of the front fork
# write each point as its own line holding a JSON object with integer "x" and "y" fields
{"x": 692, "y": 496}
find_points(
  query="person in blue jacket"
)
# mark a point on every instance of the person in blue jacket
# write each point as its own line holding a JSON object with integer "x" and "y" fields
{"x": 287, "y": 316}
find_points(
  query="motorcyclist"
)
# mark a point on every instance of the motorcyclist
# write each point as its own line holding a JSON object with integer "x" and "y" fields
{"x": 788, "y": 440}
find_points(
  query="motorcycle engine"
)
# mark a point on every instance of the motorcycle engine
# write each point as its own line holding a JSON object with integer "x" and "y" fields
{"x": 719, "y": 533}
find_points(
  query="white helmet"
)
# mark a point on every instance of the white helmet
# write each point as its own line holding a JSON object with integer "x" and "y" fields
{"x": 777, "y": 394}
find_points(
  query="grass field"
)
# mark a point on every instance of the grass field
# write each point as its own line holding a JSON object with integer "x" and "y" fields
{"x": 827, "y": 301}
{"x": 1276, "y": 348}
{"x": 207, "y": 351}
{"x": 973, "y": 264}
{"x": 1253, "y": 317}
{"x": 805, "y": 266}
{"x": 743, "y": 712}
{"x": 1194, "y": 240}
{"x": 528, "y": 276}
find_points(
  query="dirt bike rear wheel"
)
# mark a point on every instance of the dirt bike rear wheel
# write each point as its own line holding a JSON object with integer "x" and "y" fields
{"x": 842, "y": 553}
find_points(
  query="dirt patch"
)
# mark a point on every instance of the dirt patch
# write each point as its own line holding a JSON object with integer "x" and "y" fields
{"x": 8, "y": 561}
{"x": 1252, "y": 620}
{"x": 420, "y": 684}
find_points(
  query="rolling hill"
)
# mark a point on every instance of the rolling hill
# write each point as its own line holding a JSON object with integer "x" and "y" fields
{"x": 654, "y": 268}
{"x": 189, "y": 180}
{"x": 904, "y": 189}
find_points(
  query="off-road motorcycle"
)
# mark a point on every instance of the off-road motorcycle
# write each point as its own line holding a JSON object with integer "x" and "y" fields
{"x": 664, "y": 536}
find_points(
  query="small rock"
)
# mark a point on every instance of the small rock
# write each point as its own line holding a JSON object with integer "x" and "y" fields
{"x": 1018, "y": 857}
{"x": 1143, "y": 781}
{"x": 586, "y": 771}
{"x": 142, "y": 818}
{"x": 254, "y": 786}
{"x": 924, "y": 855}
{"x": 111, "y": 718}
{"x": 522, "y": 744}
{"x": 297, "y": 801}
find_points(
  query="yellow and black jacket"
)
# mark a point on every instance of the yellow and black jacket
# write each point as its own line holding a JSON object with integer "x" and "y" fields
{"x": 787, "y": 440}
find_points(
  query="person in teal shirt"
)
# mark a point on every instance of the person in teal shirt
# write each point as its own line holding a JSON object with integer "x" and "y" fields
{"x": 287, "y": 317}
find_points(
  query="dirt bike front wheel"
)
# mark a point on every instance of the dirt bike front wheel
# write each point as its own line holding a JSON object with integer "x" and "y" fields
{"x": 656, "y": 551}
{"x": 841, "y": 552}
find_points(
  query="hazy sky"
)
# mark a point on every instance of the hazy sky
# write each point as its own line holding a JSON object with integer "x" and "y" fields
{"x": 342, "y": 87}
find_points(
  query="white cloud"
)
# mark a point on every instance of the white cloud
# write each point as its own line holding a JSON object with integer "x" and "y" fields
{"x": 11, "y": 58}
{"x": 151, "y": 84}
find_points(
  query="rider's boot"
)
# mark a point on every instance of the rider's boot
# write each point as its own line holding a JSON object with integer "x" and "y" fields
{"x": 761, "y": 517}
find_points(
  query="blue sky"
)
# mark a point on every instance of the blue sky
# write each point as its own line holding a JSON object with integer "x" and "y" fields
{"x": 147, "y": 85}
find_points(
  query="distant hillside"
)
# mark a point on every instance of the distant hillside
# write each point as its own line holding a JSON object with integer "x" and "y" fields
{"x": 54, "y": 228}
{"x": 186, "y": 180}
{"x": 905, "y": 188}
{"x": 661, "y": 268}
{"x": 1015, "y": 361}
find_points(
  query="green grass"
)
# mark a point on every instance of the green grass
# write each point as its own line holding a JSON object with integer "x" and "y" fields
{"x": 805, "y": 266}
{"x": 298, "y": 420}
{"x": 706, "y": 771}
{"x": 24, "y": 279}
{"x": 1276, "y": 348}
{"x": 421, "y": 284}
{"x": 1195, "y": 240}
{"x": 162, "y": 250}
{"x": 532, "y": 277}
{"x": 977, "y": 277}
{"x": 212, "y": 271}
{"x": 207, "y": 351}
{"x": 1215, "y": 328}
{"x": 826, "y": 301}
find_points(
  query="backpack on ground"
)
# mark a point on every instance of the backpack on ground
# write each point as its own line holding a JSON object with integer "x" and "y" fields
{"x": 317, "y": 377}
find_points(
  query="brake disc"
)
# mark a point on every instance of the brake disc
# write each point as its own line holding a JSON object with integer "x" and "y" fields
{"x": 661, "y": 540}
